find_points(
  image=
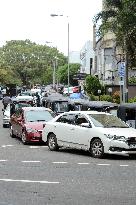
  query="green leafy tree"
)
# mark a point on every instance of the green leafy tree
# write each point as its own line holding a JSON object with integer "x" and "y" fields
{"x": 29, "y": 61}
{"x": 119, "y": 17}
{"x": 62, "y": 73}
{"x": 132, "y": 80}
{"x": 92, "y": 85}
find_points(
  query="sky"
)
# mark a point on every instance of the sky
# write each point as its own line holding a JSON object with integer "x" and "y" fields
{"x": 30, "y": 19}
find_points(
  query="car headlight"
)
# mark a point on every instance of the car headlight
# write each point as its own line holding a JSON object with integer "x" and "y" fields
{"x": 116, "y": 137}
{"x": 30, "y": 130}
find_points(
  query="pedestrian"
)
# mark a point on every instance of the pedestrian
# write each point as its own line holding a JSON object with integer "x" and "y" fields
{"x": 6, "y": 100}
{"x": 37, "y": 99}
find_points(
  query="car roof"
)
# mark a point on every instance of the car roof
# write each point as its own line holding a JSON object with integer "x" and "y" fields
{"x": 127, "y": 105}
{"x": 85, "y": 112}
{"x": 35, "y": 109}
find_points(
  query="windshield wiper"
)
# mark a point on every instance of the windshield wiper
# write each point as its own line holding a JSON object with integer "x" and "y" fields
{"x": 40, "y": 120}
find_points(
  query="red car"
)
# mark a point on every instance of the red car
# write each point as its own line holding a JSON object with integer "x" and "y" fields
{"x": 27, "y": 123}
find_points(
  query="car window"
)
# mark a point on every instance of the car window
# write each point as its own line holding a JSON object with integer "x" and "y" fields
{"x": 107, "y": 121}
{"x": 67, "y": 118}
{"x": 79, "y": 119}
{"x": 60, "y": 106}
{"x": 38, "y": 115}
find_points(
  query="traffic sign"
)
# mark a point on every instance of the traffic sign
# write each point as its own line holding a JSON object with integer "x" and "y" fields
{"x": 121, "y": 82}
{"x": 122, "y": 69}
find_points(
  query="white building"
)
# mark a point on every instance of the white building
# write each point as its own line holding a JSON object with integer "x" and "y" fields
{"x": 86, "y": 57}
{"x": 74, "y": 57}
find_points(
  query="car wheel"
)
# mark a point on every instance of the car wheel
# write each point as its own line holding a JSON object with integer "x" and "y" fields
{"x": 11, "y": 133}
{"x": 97, "y": 148}
{"x": 52, "y": 143}
{"x": 4, "y": 126}
{"x": 23, "y": 138}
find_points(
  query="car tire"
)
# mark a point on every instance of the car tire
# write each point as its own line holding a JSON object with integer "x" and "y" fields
{"x": 11, "y": 133}
{"x": 23, "y": 138}
{"x": 4, "y": 126}
{"x": 97, "y": 148}
{"x": 52, "y": 142}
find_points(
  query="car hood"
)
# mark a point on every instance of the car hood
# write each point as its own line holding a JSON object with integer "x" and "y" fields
{"x": 126, "y": 132}
{"x": 35, "y": 125}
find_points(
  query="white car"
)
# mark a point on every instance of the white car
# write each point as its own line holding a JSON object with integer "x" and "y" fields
{"x": 6, "y": 116}
{"x": 97, "y": 132}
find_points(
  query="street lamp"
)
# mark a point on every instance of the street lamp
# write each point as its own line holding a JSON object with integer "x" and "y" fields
{"x": 99, "y": 93}
{"x": 55, "y": 15}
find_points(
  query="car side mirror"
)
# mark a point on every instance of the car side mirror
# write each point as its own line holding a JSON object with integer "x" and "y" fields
{"x": 44, "y": 125}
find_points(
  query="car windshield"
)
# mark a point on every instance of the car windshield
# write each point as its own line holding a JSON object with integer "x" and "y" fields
{"x": 37, "y": 116}
{"x": 107, "y": 121}
{"x": 20, "y": 105}
{"x": 25, "y": 94}
{"x": 60, "y": 106}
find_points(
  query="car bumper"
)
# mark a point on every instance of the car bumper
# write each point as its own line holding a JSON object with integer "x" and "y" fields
{"x": 120, "y": 147}
{"x": 34, "y": 137}
{"x": 6, "y": 121}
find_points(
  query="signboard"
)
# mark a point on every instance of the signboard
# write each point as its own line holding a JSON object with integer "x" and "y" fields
{"x": 122, "y": 69}
{"x": 79, "y": 76}
{"x": 121, "y": 82}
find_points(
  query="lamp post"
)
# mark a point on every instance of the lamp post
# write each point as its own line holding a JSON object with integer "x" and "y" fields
{"x": 55, "y": 15}
{"x": 99, "y": 93}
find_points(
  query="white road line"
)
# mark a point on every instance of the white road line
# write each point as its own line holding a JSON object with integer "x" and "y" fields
{"x": 28, "y": 181}
{"x": 31, "y": 161}
{"x": 3, "y": 160}
{"x": 34, "y": 147}
{"x": 103, "y": 164}
{"x": 123, "y": 165}
{"x": 8, "y": 145}
{"x": 59, "y": 162}
{"x": 83, "y": 163}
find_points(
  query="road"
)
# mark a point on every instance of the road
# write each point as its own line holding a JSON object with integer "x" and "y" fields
{"x": 33, "y": 175}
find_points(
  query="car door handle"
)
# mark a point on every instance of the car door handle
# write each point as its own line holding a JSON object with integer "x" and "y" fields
{"x": 54, "y": 125}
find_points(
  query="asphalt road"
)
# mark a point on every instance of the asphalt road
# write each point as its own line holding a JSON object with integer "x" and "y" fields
{"x": 33, "y": 175}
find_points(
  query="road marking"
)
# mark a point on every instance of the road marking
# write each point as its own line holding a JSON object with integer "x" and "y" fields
{"x": 34, "y": 147}
{"x": 31, "y": 161}
{"x": 83, "y": 163}
{"x": 59, "y": 162}
{"x": 123, "y": 165}
{"x": 8, "y": 145}
{"x": 28, "y": 181}
{"x": 3, "y": 160}
{"x": 103, "y": 164}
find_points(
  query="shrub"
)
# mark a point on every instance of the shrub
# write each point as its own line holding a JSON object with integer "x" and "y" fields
{"x": 116, "y": 97}
{"x": 106, "y": 98}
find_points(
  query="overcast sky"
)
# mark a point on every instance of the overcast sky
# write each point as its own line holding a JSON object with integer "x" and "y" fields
{"x": 30, "y": 19}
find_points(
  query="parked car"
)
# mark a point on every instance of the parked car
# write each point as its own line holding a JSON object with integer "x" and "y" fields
{"x": 10, "y": 110}
{"x": 26, "y": 99}
{"x": 97, "y": 132}
{"x": 6, "y": 116}
{"x": 27, "y": 123}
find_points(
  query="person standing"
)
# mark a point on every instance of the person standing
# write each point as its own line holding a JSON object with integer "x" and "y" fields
{"x": 37, "y": 99}
{"x": 6, "y": 100}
